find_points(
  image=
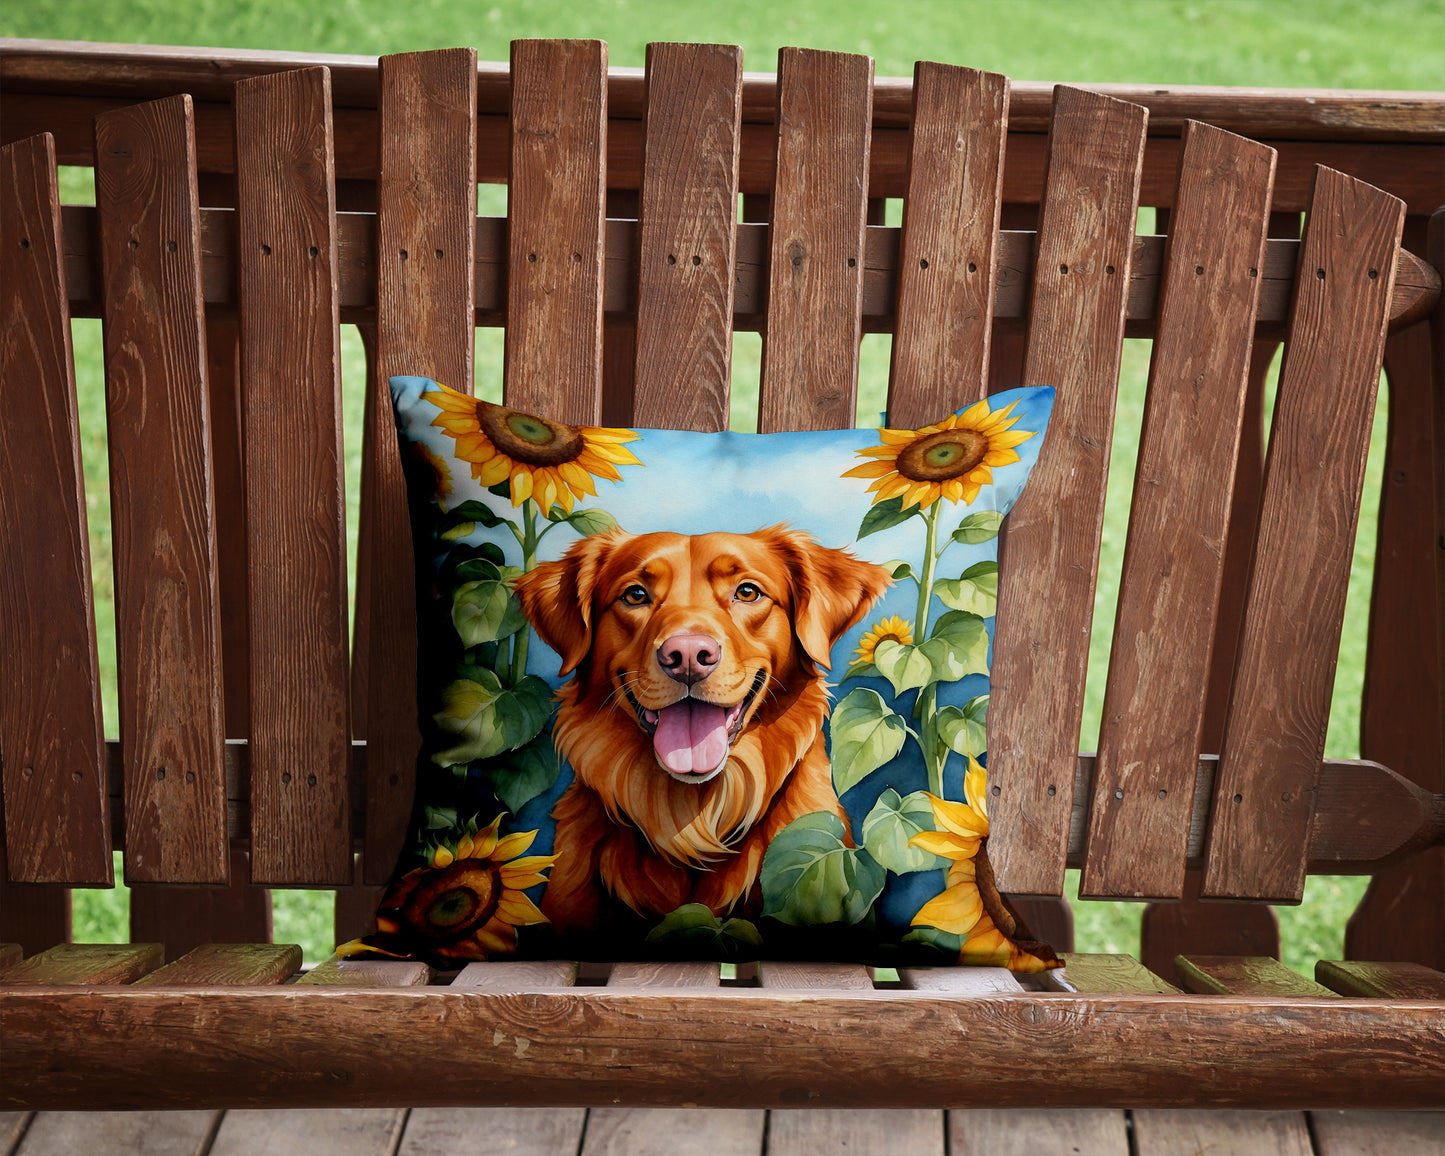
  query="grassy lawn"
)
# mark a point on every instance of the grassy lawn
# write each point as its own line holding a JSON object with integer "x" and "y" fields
{"x": 1397, "y": 44}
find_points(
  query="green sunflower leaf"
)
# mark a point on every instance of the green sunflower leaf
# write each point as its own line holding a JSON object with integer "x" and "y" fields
{"x": 692, "y": 931}
{"x": 891, "y": 823}
{"x": 487, "y": 610}
{"x": 976, "y": 590}
{"x": 978, "y": 527}
{"x": 440, "y": 818}
{"x": 589, "y": 522}
{"x": 866, "y": 733}
{"x": 965, "y": 729}
{"x": 810, "y": 876}
{"x": 524, "y": 774}
{"x": 487, "y": 718}
{"x": 958, "y": 647}
{"x": 502, "y": 489}
{"x": 884, "y": 515}
{"x": 900, "y": 569}
{"x": 860, "y": 669}
{"x": 472, "y": 511}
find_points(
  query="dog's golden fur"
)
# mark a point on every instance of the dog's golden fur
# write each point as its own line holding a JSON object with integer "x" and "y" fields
{"x": 775, "y": 601}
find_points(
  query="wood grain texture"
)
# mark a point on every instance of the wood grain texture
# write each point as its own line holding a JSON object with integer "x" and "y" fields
{"x": 57, "y": 823}
{"x": 1097, "y": 972}
{"x": 814, "y": 976}
{"x": 1031, "y": 1131}
{"x": 1191, "y": 924}
{"x": 1166, "y": 1133}
{"x": 295, "y": 502}
{"x": 1383, "y": 980}
{"x": 1275, "y": 733}
{"x": 674, "y": 1132}
{"x": 70, "y": 964}
{"x": 959, "y": 980}
{"x": 1076, "y": 330}
{"x": 669, "y": 975}
{"x": 33, "y": 915}
{"x": 876, "y": 1132}
{"x": 816, "y": 250}
{"x": 1153, "y": 714}
{"x": 515, "y": 1131}
{"x": 228, "y": 963}
{"x": 131, "y": 1133}
{"x": 555, "y": 206}
{"x": 292, "y": 1046}
{"x": 12, "y": 1126}
{"x": 183, "y": 918}
{"x": 426, "y": 218}
{"x": 1378, "y": 1133}
{"x": 168, "y": 633}
{"x": 517, "y": 975}
{"x": 10, "y": 953}
{"x": 949, "y": 247}
{"x": 1242, "y": 975}
{"x": 323, "y": 1132}
{"x": 336, "y": 972}
{"x": 687, "y": 236}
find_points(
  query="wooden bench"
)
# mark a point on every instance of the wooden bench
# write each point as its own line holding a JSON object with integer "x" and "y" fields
{"x": 241, "y": 214}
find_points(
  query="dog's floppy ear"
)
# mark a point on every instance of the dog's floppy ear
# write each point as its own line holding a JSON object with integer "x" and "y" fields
{"x": 557, "y": 596}
{"x": 832, "y": 590}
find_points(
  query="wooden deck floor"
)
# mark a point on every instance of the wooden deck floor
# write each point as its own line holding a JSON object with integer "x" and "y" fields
{"x": 703, "y": 1132}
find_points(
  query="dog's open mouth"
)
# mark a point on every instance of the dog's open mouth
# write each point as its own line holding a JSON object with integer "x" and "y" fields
{"x": 692, "y": 738}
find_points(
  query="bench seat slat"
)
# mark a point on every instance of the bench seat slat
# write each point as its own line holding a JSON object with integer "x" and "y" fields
{"x": 336, "y": 972}
{"x": 1279, "y": 708}
{"x": 1384, "y": 980}
{"x": 168, "y": 639}
{"x": 786, "y": 975}
{"x": 85, "y": 964}
{"x": 1243, "y": 975}
{"x": 228, "y": 963}
{"x": 1097, "y": 972}
{"x": 57, "y": 824}
{"x": 295, "y": 501}
{"x": 1173, "y": 563}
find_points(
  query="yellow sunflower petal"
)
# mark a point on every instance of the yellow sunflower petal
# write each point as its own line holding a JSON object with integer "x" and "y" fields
{"x": 513, "y": 845}
{"x": 971, "y": 488}
{"x": 442, "y": 857}
{"x": 497, "y": 938}
{"x": 959, "y": 818}
{"x": 870, "y": 470}
{"x": 485, "y": 840}
{"x": 464, "y": 847}
{"x": 952, "y": 490}
{"x": 945, "y": 844}
{"x": 526, "y": 864}
{"x": 518, "y": 910}
{"x": 964, "y": 870}
{"x": 492, "y": 471}
{"x": 956, "y": 909}
{"x": 975, "y": 787}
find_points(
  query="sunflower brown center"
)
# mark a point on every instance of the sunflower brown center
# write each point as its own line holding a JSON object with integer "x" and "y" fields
{"x": 452, "y": 903}
{"x": 950, "y": 453}
{"x": 529, "y": 439}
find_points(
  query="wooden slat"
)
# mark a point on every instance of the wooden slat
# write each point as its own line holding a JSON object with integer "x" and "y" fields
{"x": 1191, "y": 924}
{"x": 317, "y": 1132}
{"x": 336, "y": 972}
{"x": 555, "y": 205}
{"x": 228, "y": 963}
{"x": 168, "y": 634}
{"x": 816, "y": 258}
{"x": 876, "y": 1132}
{"x": 515, "y": 1131}
{"x": 959, "y": 980}
{"x": 33, "y": 915}
{"x": 426, "y": 217}
{"x": 517, "y": 975}
{"x": 664, "y": 975}
{"x": 1098, "y": 972}
{"x": 85, "y": 963}
{"x": 1169, "y": 1132}
{"x": 949, "y": 248}
{"x": 1173, "y": 562}
{"x": 56, "y": 820}
{"x": 10, "y": 953}
{"x": 687, "y": 236}
{"x": 153, "y": 1133}
{"x": 1081, "y": 275}
{"x": 1033, "y": 1131}
{"x": 183, "y": 918}
{"x": 300, "y": 830}
{"x": 674, "y": 1132}
{"x": 1243, "y": 975}
{"x": 814, "y": 976}
{"x": 1384, "y": 980}
{"x": 1378, "y": 1133}
{"x": 1275, "y": 733}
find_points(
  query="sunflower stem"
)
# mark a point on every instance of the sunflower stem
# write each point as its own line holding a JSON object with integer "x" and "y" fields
{"x": 530, "y": 538}
{"x": 928, "y": 696}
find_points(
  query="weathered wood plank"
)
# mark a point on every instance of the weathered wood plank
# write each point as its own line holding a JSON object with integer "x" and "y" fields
{"x": 85, "y": 963}
{"x": 948, "y": 252}
{"x": 816, "y": 260}
{"x": 515, "y": 1131}
{"x": 1032, "y": 1131}
{"x": 300, "y": 820}
{"x": 168, "y": 632}
{"x": 1154, "y": 700}
{"x": 57, "y": 823}
{"x": 1097, "y": 972}
{"x": 10, "y": 953}
{"x": 228, "y": 963}
{"x": 1076, "y": 332}
{"x": 336, "y": 972}
{"x": 687, "y": 236}
{"x": 1383, "y": 980}
{"x": 1243, "y": 975}
{"x": 426, "y": 219}
{"x": 1275, "y": 733}
{"x": 959, "y": 980}
{"x": 867, "y": 1132}
{"x": 1166, "y": 1133}
{"x": 785, "y": 975}
{"x": 1190, "y": 924}
{"x": 555, "y": 207}
{"x": 642, "y": 975}
{"x": 317, "y": 1132}
{"x": 33, "y": 916}
{"x": 134, "y": 1133}
{"x": 517, "y": 975}
{"x": 674, "y": 1132}
{"x": 1378, "y": 1133}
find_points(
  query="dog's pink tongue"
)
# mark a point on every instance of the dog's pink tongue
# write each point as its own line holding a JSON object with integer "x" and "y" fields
{"x": 691, "y": 737}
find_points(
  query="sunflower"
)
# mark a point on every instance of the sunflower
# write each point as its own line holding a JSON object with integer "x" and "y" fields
{"x": 953, "y": 459}
{"x": 894, "y": 629}
{"x": 465, "y": 904}
{"x": 546, "y": 461}
{"x": 969, "y": 905}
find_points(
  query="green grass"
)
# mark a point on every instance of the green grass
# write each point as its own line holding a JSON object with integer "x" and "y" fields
{"x": 1307, "y": 43}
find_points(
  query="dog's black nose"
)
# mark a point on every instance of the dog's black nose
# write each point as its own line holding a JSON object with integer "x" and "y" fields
{"x": 689, "y": 658}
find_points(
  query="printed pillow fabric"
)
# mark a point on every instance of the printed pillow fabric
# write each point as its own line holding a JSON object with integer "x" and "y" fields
{"x": 704, "y": 696}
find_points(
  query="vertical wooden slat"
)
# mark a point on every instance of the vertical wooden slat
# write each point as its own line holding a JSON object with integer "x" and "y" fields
{"x": 1275, "y": 733}
{"x": 946, "y": 268}
{"x": 181, "y": 918}
{"x": 1051, "y": 555}
{"x": 57, "y": 820}
{"x": 295, "y": 503}
{"x": 168, "y": 634}
{"x": 815, "y": 263}
{"x": 555, "y": 207}
{"x": 426, "y": 219}
{"x": 687, "y": 236}
{"x": 1148, "y": 751}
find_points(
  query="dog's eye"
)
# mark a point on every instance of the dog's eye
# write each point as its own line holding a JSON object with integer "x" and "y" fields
{"x": 635, "y": 595}
{"x": 748, "y": 592}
